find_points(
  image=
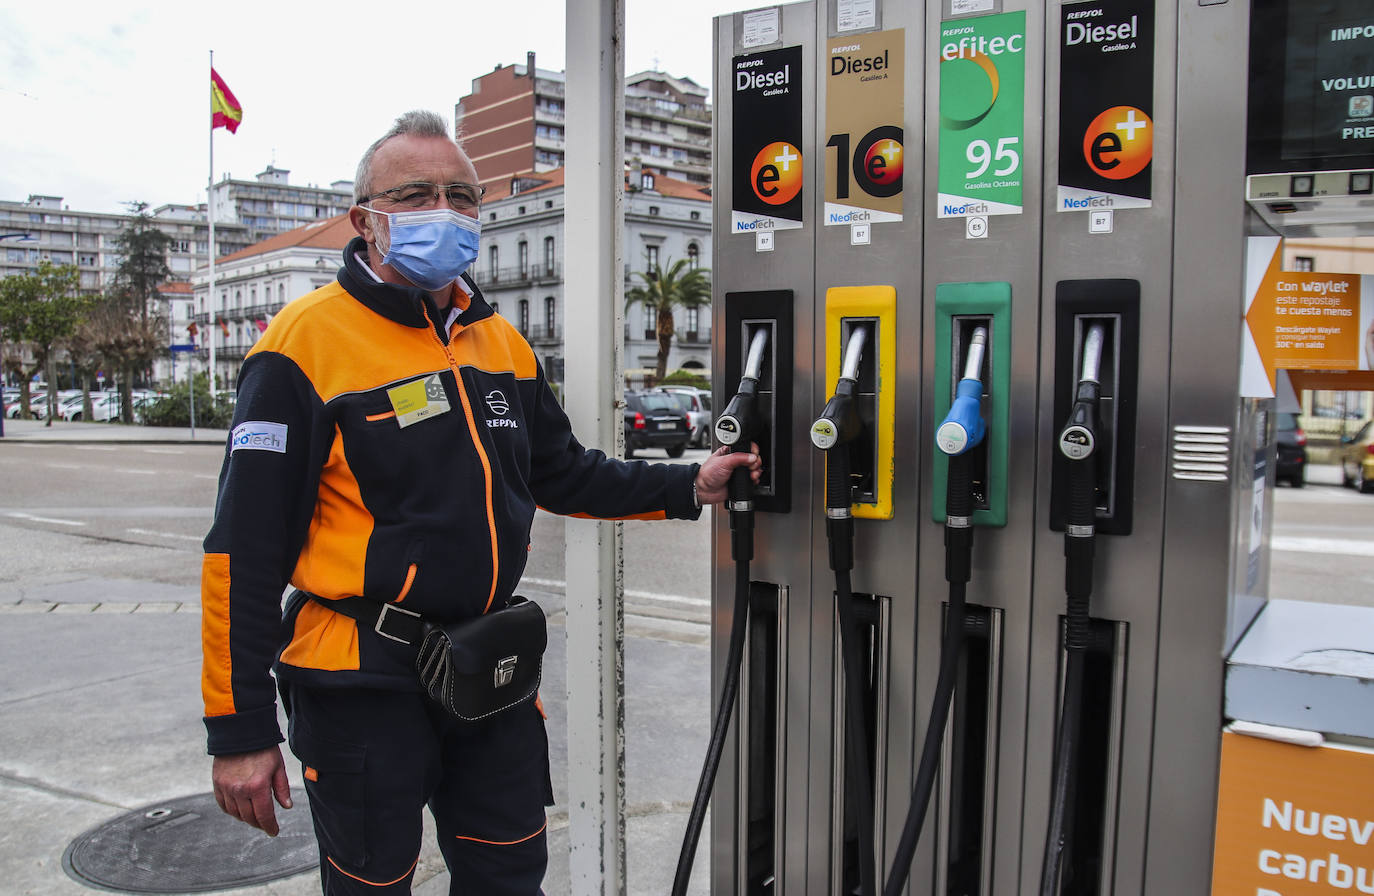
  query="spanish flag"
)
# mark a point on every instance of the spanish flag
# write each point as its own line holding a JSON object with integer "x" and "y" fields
{"x": 225, "y": 111}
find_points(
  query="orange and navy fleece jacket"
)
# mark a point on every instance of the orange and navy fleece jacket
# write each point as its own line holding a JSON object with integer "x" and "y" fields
{"x": 375, "y": 454}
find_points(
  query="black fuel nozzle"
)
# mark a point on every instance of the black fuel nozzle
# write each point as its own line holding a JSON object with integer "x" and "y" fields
{"x": 1078, "y": 443}
{"x": 834, "y": 429}
{"x": 735, "y": 428}
{"x": 962, "y": 430}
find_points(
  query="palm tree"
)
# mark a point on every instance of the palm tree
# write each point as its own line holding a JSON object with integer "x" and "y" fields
{"x": 664, "y": 290}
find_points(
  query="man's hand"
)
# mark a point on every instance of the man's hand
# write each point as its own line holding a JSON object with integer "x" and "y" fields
{"x": 714, "y": 475}
{"x": 245, "y": 784}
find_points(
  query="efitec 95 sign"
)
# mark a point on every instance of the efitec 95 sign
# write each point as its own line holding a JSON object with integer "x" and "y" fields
{"x": 982, "y": 115}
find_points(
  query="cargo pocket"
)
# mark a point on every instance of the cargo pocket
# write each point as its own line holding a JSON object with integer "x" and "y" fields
{"x": 335, "y": 783}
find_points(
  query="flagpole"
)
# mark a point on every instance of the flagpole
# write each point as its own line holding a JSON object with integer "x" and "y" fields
{"x": 210, "y": 210}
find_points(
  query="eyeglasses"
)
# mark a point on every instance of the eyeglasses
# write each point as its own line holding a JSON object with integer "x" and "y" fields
{"x": 460, "y": 197}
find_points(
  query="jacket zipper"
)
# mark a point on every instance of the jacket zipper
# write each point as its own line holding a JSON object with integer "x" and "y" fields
{"x": 481, "y": 454}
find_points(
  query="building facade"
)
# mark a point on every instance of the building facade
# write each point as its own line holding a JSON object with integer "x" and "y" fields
{"x": 90, "y": 240}
{"x": 519, "y": 270}
{"x": 512, "y": 124}
{"x": 271, "y": 204}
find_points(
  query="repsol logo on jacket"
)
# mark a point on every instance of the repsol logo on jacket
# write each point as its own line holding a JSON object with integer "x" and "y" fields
{"x": 497, "y": 404}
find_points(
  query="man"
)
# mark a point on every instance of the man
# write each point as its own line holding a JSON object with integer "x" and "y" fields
{"x": 392, "y": 439}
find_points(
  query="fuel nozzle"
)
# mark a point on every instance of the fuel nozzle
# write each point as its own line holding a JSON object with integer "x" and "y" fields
{"x": 1078, "y": 443}
{"x": 839, "y": 420}
{"x": 963, "y": 426}
{"x": 735, "y": 428}
{"x": 738, "y": 421}
{"x": 1078, "y": 438}
{"x": 838, "y": 425}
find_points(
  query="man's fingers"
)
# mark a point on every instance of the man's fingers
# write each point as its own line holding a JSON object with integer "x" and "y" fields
{"x": 281, "y": 787}
{"x": 262, "y": 814}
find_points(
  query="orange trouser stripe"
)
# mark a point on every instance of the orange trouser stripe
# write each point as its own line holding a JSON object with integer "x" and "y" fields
{"x": 372, "y": 883}
{"x": 504, "y": 842}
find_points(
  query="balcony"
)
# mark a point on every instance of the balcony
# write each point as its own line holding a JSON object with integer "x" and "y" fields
{"x": 544, "y": 334}
{"x": 517, "y": 275}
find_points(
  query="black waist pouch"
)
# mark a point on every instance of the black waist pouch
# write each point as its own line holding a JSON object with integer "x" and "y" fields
{"x": 480, "y": 667}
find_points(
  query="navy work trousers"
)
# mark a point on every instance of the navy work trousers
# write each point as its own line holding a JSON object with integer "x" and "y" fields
{"x": 372, "y": 761}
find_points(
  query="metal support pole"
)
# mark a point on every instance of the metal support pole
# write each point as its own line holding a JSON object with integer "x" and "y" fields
{"x": 594, "y": 293}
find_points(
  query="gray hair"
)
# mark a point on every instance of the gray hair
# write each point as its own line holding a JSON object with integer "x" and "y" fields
{"x": 416, "y": 123}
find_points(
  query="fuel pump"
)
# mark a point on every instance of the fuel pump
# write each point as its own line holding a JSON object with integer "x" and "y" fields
{"x": 734, "y": 428}
{"x": 962, "y": 429}
{"x": 1078, "y": 442}
{"x": 836, "y": 427}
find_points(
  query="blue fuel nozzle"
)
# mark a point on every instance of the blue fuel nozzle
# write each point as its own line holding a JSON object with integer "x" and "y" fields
{"x": 963, "y": 427}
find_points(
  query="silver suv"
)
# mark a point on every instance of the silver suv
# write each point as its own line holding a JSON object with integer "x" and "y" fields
{"x": 697, "y": 403}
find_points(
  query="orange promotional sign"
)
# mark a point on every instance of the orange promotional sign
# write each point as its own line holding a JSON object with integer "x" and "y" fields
{"x": 1301, "y": 320}
{"x": 1293, "y": 821}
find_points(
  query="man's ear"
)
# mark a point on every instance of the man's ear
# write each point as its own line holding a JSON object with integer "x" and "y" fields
{"x": 362, "y": 223}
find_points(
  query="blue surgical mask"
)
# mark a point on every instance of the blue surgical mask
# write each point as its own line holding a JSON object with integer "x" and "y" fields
{"x": 431, "y": 248}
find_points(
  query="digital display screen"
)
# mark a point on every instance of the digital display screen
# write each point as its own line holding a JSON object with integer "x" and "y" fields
{"x": 1311, "y": 85}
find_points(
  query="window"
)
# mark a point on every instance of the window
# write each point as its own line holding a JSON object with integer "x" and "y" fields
{"x": 696, "y": 216}
{"x": 495, "y": 307}
{"x": 690, "y": 319}
{"x": 548, "y": 255}
{"x": 522, "y": 257}
{"x": 693, "y": 256}
{"x": 549, "y": 316}
{"x": 494, "y": 262}
{"x": 180, "y": 246}
{"x": 86, "y": 259}
{"x": 653, "y": 211}
{"x": 651, "y": 258}
{"x": 1304, "y": 263}
{"x": 650, "y": 322}
{"x": 646, "y": 181}
{"x": 524, "y": 322}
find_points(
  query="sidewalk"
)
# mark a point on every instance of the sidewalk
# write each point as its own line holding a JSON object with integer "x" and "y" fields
{"x": 65, "y": 431}
{"x": 100, "y": 715}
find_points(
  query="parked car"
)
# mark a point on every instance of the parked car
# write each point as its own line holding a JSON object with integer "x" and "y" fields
{"x": 655, "y": 419}
{"x": 38, "y": 404}
{"x": 1357, "y": 458}
{"x": 104, "y": 407}
{"x": 1292, "y": 451}
{"x": 698, "y": 405}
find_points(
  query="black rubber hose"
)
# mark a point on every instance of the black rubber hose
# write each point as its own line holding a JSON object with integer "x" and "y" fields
{"x": 1079, "y": 544}
{"x": 840, "y": 532}
{"x": 958, "y": 564}
{"x": 742, "y": 550}
{"x": 857, "y": 769}
{"x": 1065, "y": 758}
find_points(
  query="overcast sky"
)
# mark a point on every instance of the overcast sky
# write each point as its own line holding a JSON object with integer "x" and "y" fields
{"x": 106, "y": 103}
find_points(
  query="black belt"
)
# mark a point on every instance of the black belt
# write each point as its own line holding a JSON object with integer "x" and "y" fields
{"x": 391, "y": 621}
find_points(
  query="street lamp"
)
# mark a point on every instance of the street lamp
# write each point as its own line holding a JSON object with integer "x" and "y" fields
{"x": 18, "y": 238}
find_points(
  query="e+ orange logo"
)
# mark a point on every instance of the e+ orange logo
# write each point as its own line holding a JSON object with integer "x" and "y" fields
{"x": 776, "y": 174}
{"x": 1119, "y": 143}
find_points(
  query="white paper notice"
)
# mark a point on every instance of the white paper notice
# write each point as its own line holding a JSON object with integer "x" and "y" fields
{"x": 761, "y": 27}
{"x": 961, "y": 7}
{"x": 851, "y": 15}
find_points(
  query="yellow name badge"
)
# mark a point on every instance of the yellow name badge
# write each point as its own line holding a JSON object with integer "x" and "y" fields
{"x": 418, "y": 400}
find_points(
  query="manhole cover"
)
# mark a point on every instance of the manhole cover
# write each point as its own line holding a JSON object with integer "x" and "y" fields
{"x": 188, "y": 845}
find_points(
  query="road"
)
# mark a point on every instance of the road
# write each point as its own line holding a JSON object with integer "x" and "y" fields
{"x": 139, "y": 512}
